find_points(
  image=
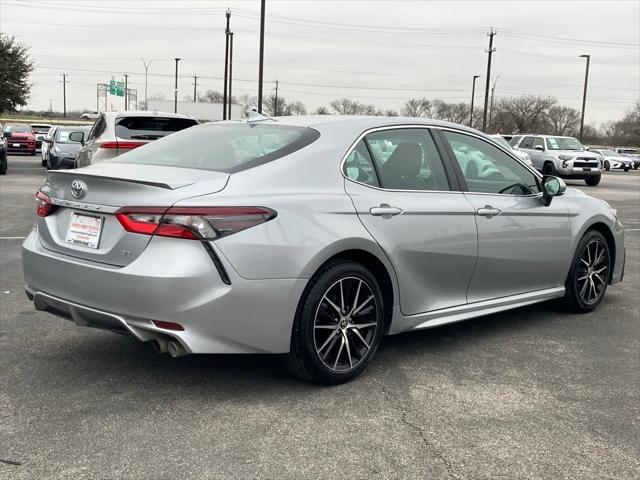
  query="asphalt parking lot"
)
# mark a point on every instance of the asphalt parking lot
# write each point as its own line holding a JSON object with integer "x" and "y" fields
{"x": 531, "y": 393}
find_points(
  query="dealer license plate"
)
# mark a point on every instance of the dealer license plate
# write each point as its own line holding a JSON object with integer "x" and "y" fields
{"x": 84, "y": 230}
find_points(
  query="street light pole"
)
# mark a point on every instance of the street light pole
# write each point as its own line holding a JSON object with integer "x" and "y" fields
{"x": 473, "y": 95}
{"x": 175, "y": 98}
{"x": 146, "y": 71}
{"x": 261, "y": 65}
{"x": 584, "y": 94}
{"x": 126, "y": 92}
{"x": 493, "y": 93}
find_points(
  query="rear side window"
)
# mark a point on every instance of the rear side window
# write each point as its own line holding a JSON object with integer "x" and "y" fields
{"x": 359, "y": 166}
{"x": 150, "y": 128}
{"x": 226, "y": 148}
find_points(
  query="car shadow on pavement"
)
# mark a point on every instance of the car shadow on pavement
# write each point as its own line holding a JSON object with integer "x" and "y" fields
{"x": 117, "y": 359}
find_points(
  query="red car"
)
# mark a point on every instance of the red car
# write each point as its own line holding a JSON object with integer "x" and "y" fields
{"x": 20, "y": 138}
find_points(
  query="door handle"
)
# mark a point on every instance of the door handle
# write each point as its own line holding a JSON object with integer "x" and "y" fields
{"x": 385, "y": 211}
{"x": 488, "y": 211}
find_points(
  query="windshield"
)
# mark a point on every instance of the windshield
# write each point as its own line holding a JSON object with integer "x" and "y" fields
{"x": 18, "y": 128}
{"x": 628, "y": 151}
{"x": 502, "y": 142}
{"x": 150, "y": 128}
{"x": 40, "y": 128}
{"x": 564, "y": 143}
{"x": 608, "y": 153}
{"x": 222, "y": 147}
{"x": 62, "y": 134}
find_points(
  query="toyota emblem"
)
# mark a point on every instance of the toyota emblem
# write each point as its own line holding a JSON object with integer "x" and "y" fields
{"x": 78, "y": 189}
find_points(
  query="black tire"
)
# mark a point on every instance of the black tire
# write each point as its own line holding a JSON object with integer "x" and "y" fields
{"x": 549, "y": 169}
{"x": 607, "y": 165}
{"x": 635, "y": 167}
{"x": 593, "y": 181}
{"x": 626, "y": 169}
{"x": 574, "y": 300}
{"x": 3, "y": 168}
{"x": 308, "y": 360}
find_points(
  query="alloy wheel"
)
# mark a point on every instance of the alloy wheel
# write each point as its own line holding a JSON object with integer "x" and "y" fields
{"x": 592, "y": 272}
{"x": 345, "y": 324}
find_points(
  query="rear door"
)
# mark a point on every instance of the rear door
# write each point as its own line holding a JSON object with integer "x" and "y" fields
{"x": 410, "y": 204}
{"x": 84, "y": 224}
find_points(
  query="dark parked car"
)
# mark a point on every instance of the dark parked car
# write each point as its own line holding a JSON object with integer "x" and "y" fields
{"x": 61, "y": 152}
{"x": 20, "y": 138}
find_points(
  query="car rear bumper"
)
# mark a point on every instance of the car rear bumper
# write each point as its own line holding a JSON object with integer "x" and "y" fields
{"x": 173, "y": 280}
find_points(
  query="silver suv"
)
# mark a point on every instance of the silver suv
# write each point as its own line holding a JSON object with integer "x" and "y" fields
{"x": 564, "y": 157}
{"x": 116, "y": 133}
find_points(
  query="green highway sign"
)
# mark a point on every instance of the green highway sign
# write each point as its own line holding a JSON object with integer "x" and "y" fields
{"x": 116, "y": 88}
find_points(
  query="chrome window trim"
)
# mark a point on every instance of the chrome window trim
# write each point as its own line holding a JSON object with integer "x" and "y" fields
{"x": 437, "y": 127}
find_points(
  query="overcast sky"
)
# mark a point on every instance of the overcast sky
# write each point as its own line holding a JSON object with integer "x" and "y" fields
{"x": 379, "y": 52}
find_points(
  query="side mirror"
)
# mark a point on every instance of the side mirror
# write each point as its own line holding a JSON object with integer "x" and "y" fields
{"x": 552, "y": 187}
{"x": 540, "y": 148}
{"x": 77, "y": 137}
{"x": 7, "y": 134}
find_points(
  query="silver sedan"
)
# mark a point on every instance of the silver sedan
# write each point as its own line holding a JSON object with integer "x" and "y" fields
{"x": 312, "y": 237}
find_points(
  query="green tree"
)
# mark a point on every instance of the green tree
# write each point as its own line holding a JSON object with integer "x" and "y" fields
{"x": 15, "y": 67}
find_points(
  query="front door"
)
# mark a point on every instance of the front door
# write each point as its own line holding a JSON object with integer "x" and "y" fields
{"x": 522, "y": 244}
{"x": 404, "y": 198}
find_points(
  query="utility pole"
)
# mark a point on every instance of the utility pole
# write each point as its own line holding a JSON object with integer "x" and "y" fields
{"x": 584, "y": 94}
{"x": 230, "y": 99}
{"x": 175, "y": 95}
{"x": 146, "y": 71}
{"x": 261, "y": 61}
{"x": 226, "y": 66}
{"x": 195, "y": 88}
{"x": 275, "y": 104}
{"x": 493, "y": 91}
{"x": 491, "y": 34}
{"x": 473, "y": 95}
{"x": 64, "y": 95}
{"x": 126, "y": 92}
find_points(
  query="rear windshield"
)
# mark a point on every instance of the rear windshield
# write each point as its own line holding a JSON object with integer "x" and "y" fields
{"x": 18, "y": 128}
{"x": 62, "y": 134}
{"x": 150, "y": 128}
{"x": 40, "y": 128}
{"x": 222, "y": 147}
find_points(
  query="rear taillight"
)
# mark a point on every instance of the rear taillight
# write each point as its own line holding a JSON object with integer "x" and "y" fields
{"x": 193, "y": 223}
{"x": 121, "y": 145}
{"x": 44, "y": 206}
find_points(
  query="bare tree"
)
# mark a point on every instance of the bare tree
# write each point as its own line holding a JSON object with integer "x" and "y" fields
{"x": 298, "y": 108}
{"x": 322, "y": 111}
{"x": 211, "y": 96}
{"x": 563, "y": 120}
{"x": 527, "y": 112}
{"x": 345, "y": 106}
{"x": 279, "y": 109}
{"x": 417, "y": 107}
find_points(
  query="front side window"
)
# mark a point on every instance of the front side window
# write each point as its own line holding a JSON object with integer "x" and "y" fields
{"x": 407, "y": 159}
{"x": 487, "y": 169}
{"x": 359, "y": 166}
{"x": 226, "y": 148}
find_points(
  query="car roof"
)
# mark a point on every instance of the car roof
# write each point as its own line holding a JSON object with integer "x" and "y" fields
{"x": 354, "y": 122}
{"x": 146, "y": 113}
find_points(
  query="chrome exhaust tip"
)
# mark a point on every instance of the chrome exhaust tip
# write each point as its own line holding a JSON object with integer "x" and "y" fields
{"x": 175, "y": 349}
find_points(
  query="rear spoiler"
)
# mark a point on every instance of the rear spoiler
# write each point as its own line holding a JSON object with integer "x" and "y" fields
{"x": 166, "y": 185}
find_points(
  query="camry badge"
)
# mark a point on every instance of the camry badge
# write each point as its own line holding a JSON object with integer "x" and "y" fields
{"x": 78, "y": 189}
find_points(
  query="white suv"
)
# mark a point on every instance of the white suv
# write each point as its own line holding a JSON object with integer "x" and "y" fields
{"x": 116, "y": 133}
{"x": 563, "y": 157}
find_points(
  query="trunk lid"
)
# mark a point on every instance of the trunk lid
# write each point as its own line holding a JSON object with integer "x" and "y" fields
{"x": 107, "y": 187}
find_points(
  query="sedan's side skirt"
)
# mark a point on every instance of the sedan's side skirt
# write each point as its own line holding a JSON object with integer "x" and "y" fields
{"x": 402, "y": 323}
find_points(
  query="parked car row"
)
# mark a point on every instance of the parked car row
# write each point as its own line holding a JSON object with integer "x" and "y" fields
{"x": 71, "y": 146}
